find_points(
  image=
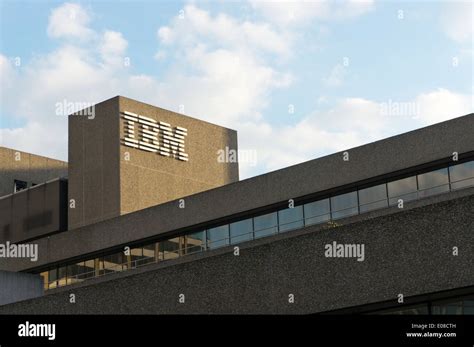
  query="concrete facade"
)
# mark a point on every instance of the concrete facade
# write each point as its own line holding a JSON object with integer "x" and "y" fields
{"x": 16, "y": 286}
{"x": 34, "y": 212}
{"x": 108, "y": 179}
{"x": 407, "y": 252}
{"x": 367, "y": 163}
{"x": 31, "y": 168}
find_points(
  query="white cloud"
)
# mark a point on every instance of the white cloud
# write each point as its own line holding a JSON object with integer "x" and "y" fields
{"x": 69, "y": 21}
{"x": 442, "y": 104}
{"x": 457, "y": 20}
{"x": 336, "y": 76}
{"x": 300, "y": 12}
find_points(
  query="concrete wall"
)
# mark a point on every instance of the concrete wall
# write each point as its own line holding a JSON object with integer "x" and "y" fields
{"x": 15, "y": 286}
{"x": 148, "y": 179}
{"x": 407, "y": 252}
{"x": 31, "y": 213}
{"x": 94, "y": 171}
{"x": 108, "y": 179}
{"x": 29, "y": 167}
{"x": 319, "y": 176}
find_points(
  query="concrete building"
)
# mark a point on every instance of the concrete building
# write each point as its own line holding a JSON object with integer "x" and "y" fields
{"x": 155, "y": 227}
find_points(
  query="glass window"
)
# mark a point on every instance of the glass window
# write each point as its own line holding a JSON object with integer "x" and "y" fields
{"x": 19, "y": 185}
{"x": 74, "y": 272}
{"x": 89, "y": 268}
{"x": 373, "y": 198}
{"x": 410, "y": 310}
{"x": 265, "y": 225}
{"x": 170, "y": 248}
{"x": 196, "y": 242}
{"x": 462, "y": 175}
{"x": 45, "y": 275}
{"x": 290, "y": 218}
{"x": 241, "y": 231}
{"x": 149, "y": 254}
{"x": 344, "y": 205}
{"x": 405, "y": 189}
{"x": 448, "y": 308}
{"x": 433, "y": 182}
{"x": 218, "y": 236}
{"x": 114, "y": 262}
{"x": 62, "y": 276}
{"x": 53, "y": 278}
{"x": 317, "y": 212}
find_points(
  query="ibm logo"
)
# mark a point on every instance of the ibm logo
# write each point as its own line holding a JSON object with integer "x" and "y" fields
{"x": 158, "y": 137}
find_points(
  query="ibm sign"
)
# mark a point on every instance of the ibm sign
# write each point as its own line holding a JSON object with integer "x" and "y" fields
{"x": 149, "y": 135}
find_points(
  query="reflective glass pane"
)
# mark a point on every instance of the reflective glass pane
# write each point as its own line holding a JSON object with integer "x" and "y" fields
{"x": 433, "y": 182}
{"x": 74, "y": 272}
{"x": 462, "y": 175}
{"x": 317, "y": 212}
{"x": 290, "y": 218}
{"x": 344, "y": 205}
{"x": 373, "y": 198}
{"x": 149, "y": 254}
{"x": 265, "y": 225}
{"x": 89, "y": 268}
{"x": 170, "y": 248}
{"x": 53, "y": 278}
{"x": 44, "y": 276}
{"x": 218, "y": 236}
{"x": 241, "y": 231}
{"x": 62, "y": 276}
{"x": 114, "y": 262}
{"x": 196, "y": 242}
{"x": 405, "y": 189}
{"x": 448, "y": 308}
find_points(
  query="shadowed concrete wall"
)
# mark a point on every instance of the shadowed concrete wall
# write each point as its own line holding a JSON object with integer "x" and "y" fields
{"x": 408, "y": 252}
{"x": 15, "y": 286}
{"x": 34, "y": 212}
{"x": 31, "y": 168}
{"x": 108, "y": 179}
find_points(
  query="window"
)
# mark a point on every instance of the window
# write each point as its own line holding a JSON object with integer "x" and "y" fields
{"x": 90, "y": 268}
{"x": 373, "y": 198}
{"x": 344, "y": 205}
{"x": 53, "y": 278}
{"x": 218, "y": 236}
{"x": 405, "y": 189}
{"x": 114, "y": 262}
{"x": 433, "y": 182}
{"x": 19, "y": 185}
{"x": 196, "y": 242}
{"x": 149, "y": 254}
{"x": 409, "y": 310}
{"x": 62, "y": 276}
{"x": 290, "y": 218}
{"x": 317, "y": 212}
{"x": 462, "y": 175}
{"x": 448, "y": 308}
{"x": 265, "y": 225}
{"x": 170, "y": 248}
{"x": 74, "y": 272}
{"x": 44, "y": 276}
{"x": 241, "y": 231}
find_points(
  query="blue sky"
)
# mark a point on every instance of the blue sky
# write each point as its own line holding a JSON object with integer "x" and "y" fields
{"x": 240, "y": 64}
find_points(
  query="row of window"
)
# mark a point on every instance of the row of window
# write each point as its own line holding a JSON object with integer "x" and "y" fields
{"x": 316, "y": 212}
{"x": 458, "y": 306}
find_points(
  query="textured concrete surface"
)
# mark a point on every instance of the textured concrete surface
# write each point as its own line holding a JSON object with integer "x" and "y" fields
{"x": 369, "y": 163}
{"x": 108, "y": 179}
{"x": 31, "y": 168}
{"x": 16, "y": 286}
{"x": 407, "y": 252}
{"x": 34, "y": 212}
